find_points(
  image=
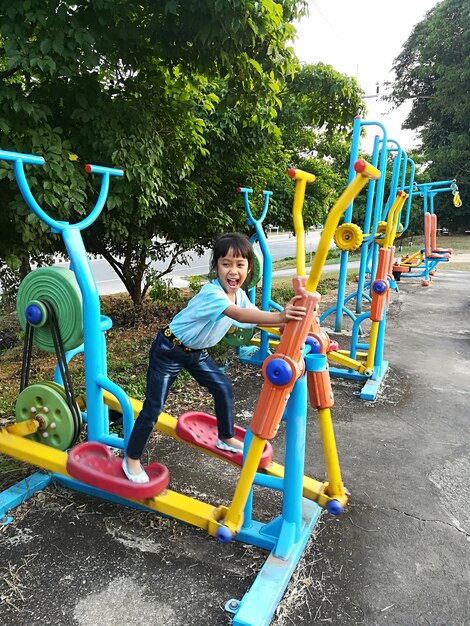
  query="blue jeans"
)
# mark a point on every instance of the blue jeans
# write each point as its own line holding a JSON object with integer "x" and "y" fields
{"x": 166, "y": 361}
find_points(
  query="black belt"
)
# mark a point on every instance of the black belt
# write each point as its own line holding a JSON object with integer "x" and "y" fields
{"x": 174, "y": 339}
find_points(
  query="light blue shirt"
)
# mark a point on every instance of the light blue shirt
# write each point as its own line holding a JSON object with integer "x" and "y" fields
{"x": 202, "y": 324}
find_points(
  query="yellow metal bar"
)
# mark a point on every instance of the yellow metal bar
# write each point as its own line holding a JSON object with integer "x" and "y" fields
{"x": 271, "y": 330}
{"x": 167, "y": 424}
{"x": 359, "y": 354}
{"x": 301, "y": 180}
{"x": 352, "y": 190}
{"x": 312, "y": 489}
{"x": 181, "y": 507}
{"x": 333, "y": 472}
{"x": 272, "y": 343}
{"x": 234, "y": 516}
{"x": 50, "y": 459}
{"x": 374, "y": 333}
{"x": 346, "y": 361}
{"x": 23, "y": 429}
{"x": 408, "y": 261}
{"x": 392, "y": 219}
{"x": 299, "y": 226}
{"x": 32, "y": 452}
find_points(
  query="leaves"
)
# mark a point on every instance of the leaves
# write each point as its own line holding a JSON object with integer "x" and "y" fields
{"x": 190, "y": 99}
{"x": 433, "y": 71}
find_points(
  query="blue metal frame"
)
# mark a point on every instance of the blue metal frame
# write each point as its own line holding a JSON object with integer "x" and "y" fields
{"x": 14, "y": 496}
{"x": 403, "y": 171}
{"x": 427, "y": 191}
{"x": 252, "y": 354}
{"x": 286, "y": 536}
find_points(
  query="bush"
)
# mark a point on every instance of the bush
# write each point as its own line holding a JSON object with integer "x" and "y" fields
{"x": 163, "y": 292}
{"x": 195, "y": 283}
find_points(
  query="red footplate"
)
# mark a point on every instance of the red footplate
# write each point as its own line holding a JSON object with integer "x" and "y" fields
{"x": 200, "y": 429}
{"x": 93, "y": 463}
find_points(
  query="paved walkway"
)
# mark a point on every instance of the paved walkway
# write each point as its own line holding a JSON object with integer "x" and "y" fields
{"x": 398, "y": 555}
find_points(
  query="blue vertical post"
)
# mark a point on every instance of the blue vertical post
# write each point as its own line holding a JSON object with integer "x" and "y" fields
{"x": 367, "y": 224}
{"x": 379, "y": 350}
{"x": 259, "y": 236}
{"x": 296, "y": 420}
{"x": 93, "y": 339}
{"x": 344, "y": 256}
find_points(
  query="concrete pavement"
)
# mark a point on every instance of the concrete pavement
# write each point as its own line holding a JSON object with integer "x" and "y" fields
{"x": 398, "y": 555}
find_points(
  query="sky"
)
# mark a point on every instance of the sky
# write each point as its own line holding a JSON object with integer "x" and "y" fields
{"x": 361, "y": 39}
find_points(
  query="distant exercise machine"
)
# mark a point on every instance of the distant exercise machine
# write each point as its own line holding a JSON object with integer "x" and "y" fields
{"x": 363, "y": 361}
{"x": 423, "y": 263}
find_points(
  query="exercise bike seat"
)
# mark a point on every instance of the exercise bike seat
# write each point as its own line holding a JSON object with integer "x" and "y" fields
{"x": 200, "y": 429}
{"x": 94, "y": 463}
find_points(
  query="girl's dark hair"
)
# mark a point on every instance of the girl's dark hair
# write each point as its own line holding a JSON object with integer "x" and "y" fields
{"x": 239, "y": 244}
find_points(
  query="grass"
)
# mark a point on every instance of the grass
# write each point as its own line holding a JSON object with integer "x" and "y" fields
{"x": 459, "y": 243}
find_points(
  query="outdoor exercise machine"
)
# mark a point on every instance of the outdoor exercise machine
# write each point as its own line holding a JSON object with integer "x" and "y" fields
{"x": 365, "y": 362}
{"x": 423, "y": 263}
{"x": 47, "y": 424}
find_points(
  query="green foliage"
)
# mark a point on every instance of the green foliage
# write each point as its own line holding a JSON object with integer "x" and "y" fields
{"x": 195, "y": 283}
{"x": 433, "y": 71}
{"x": 155, "y": 88}
{"x": 190, "y": 99}
{"x": 319, "y": 105}
{"x": 162, "y": 292}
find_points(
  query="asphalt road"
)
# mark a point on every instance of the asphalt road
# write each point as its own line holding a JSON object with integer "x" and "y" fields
{"x": 281, "y": 246}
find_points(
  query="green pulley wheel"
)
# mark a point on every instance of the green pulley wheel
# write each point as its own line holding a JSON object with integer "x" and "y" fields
{"x": 257, "y": 269}
{"x": 60, "y": 389}
{"x": 238, "y": 336}
{"x": 58, "y": 287}
{"x": 47, "y": 405}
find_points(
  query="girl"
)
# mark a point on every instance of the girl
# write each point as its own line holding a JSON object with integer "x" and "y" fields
{"x": 182, "y": 344}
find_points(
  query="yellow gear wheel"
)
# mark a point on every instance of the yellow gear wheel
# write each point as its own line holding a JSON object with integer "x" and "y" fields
{"x": 399, "y": 232}
{"x": 348, "y": 237}
{"x": 381, "y": 228}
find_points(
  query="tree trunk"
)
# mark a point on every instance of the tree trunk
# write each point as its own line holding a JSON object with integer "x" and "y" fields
{"x": 25, "y": 266}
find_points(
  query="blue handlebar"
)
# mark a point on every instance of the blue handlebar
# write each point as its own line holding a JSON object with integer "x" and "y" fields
{"x": 56, "y": 226}
{"x": 26, "y": 158}
{"x": 266, "y": 195}
{"x": 99, "y": 169}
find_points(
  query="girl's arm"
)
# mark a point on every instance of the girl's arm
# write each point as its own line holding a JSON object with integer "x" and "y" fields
{"x": 266, "y": 318}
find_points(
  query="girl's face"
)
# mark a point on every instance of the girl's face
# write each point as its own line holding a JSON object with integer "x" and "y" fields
{"x": 232, "y": 271}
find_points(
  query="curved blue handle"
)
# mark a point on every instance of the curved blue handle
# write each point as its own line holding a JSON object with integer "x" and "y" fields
{"x": 26, "y": 158}
{"x": 99, "y": 169}
{"x": 266, "y": 195}
{"x": 20, "y": 159}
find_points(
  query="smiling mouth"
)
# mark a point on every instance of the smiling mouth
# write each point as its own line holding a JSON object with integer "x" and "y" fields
{"x": 232, "y": 282}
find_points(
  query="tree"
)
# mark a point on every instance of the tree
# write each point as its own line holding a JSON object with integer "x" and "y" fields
{"x": 433, "y": 71}
{"x": 316, "y": 119}
{"x": 313, "y": 132}
{"x": 134, "y": 84}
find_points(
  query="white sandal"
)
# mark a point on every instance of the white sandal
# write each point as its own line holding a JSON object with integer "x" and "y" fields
{"x": 227, "y": 447}
{"x": 141, "y": 477}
